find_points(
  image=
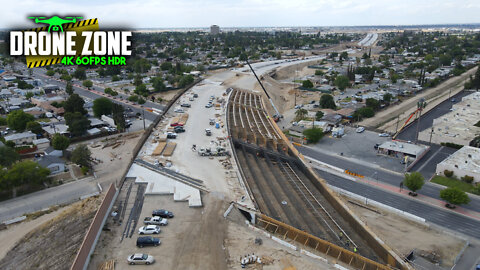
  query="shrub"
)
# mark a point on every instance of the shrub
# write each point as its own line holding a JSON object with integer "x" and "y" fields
{"x": 448, "y": 173}
{"x": 467, "y": 178}
{"x": 84, "y": 170}
{"x": 451, "y": 145}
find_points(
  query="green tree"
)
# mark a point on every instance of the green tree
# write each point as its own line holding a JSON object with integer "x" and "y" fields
{"x": 18, "y": 120}
{"x": 60, "y": 142}
{"x": 445, "y": 59}
{"x": 81, "y": 155}
{"x": 115, "y": 78}
{"x": 87, "y": 83}
{"x": 366, "y": 112}
{"x": 50, "y": 72}
{"x": 373, "y": 103}
{"x": 3, "y": 121}
{"x": 307, "y": 84}
{"x": 300, "y": 114}
{"x": 77, "y": 123}
{"x": 313, "y": 135}
{"x": 102, "y": 106}
{"x": 66, "y": 77}
{"x": 319, "y": 115}
{"x": 74, "y": 104}
{"x": 25, "y": 173}
{"x": 80, "y": 73}
{"x": 387, "y": 97}
{"x": 29, "y": 95}
{"x": 166, "y": 66}
{"x": 141, "y": 100}
{"x": 319, "y": 72}
{"x": 118, "y": 116}
{"x": 34, "y": 127}
{"x": 327, "y": 102}
{"x": 342, "y": 82}
{"x": 138, "y": 80}
{"x": 344, "y": 56}
{"x": 158, "y": 84}
{"x": 8, "y": 156}
{"x": 141, "y": 90}
{"x": 413, "y": 181}
{"x": 69, "y": 88}
{"x": 185, "y": 80}
{"x": 454, "y": 196}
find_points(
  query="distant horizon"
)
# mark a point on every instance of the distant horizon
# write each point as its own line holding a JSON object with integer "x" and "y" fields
{"x": 161, "y": 14}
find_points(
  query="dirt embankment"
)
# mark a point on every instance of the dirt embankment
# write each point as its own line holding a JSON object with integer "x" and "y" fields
{"x": 54, "y": 244}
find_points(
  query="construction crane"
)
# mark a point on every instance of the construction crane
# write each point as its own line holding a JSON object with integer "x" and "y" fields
{"x": 420, "y": 106}
{"x": 277, "y": 115}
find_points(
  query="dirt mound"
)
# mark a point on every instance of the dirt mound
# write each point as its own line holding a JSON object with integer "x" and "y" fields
{"x": 54, "y": 244}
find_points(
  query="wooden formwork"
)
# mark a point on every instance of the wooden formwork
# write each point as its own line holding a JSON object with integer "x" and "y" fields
{"x": 159, "y": 149}
{"x": 168, "y": 151}
{"x": 305, "y": 239}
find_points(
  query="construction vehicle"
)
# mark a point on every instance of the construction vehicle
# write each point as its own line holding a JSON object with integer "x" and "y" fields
{"x": 277, "y": 115}
{"x": 417, "y": 113}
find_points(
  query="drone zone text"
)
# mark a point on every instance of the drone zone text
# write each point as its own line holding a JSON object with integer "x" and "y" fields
{"x": 65, "y": 44}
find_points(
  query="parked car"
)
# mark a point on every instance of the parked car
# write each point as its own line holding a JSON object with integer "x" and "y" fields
{"x": 149, "y": 229}
{"x": 186, "y": 105}
{"x": 212, "y": 121}
{"x": 144, "y": 241}
{"x": 376, "y": 146}
{"x": 176, "y": 124}
{"x": 208, "y": 132}
{"x": 195, "y": 95}
{"x": 179, "y": 110}
{"x": 171, "y": 135}
{"x": 209, "y": 105}
{"x": 360, "y": 129}
{"x": 139, "y": 258}
{"x": 162, "y": 213}
{"x": 179, "y": 129}
{"x": 155, "y": 221}
{"x": 384, "y": 135}
{"x": 191, "y": 99}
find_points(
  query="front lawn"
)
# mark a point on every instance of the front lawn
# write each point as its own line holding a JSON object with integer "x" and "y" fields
{"x": 452, "y": 182}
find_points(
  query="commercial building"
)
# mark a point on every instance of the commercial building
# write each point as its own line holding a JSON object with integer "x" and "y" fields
{"x": 465, "y": 161}
{"x": 457, "y": 126}
{"x": 214, "y": 30}
{"x": 401, "y": 149}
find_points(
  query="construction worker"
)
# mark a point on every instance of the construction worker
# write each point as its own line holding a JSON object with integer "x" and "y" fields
{"x": 340, "y": 235}
{"x": 348, "y": 243}
{"x": 355, "y": 249}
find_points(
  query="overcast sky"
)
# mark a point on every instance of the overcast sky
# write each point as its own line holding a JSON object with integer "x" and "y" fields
{"x": 226, "y": 13}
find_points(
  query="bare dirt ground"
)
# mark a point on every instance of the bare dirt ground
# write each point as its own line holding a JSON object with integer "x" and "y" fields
{"x": 403, "y": 235}
{"x": 240, "y": 241}
{"x": 166, "y": 96}
{"x": 113, "y": 159}
{"x": 386, "y": 119}
{"x": 54, "y": 243}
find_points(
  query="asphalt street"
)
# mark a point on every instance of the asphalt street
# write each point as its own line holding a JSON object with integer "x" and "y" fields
{"x": 36, "y": 201}
{"x": 442, "y": 217}
{"x": 426, "y": 121}
{"x": 381, "y": 175}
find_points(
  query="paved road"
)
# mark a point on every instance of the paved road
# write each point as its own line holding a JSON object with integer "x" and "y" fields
{"x": 45, "y": 198}
{"x": 442, "y": 217}
{"x": 381, "y": 175}
{"x": 426, "y": 121}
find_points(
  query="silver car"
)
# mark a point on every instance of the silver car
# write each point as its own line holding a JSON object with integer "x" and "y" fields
{"x": 139, "y": 258}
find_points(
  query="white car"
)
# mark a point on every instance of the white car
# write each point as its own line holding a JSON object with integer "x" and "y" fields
{"x": 360, "y": 129}
{"x": 179, "y": 110}
{"x": 209, "y": 105}
{"x": 149, "y": 229}
{"x": 384, "y": 135}
{"x": 139, "y": 258}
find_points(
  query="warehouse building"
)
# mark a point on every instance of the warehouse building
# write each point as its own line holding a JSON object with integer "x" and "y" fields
{"x": 465, "y": 161}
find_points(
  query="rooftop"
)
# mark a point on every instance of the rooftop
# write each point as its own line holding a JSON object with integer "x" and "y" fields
{"x": 467, "y": 158}
{"x": 404, "y": 147}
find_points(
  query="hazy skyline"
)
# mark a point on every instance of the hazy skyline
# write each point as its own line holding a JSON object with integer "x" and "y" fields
{"x": 248, "y": 13}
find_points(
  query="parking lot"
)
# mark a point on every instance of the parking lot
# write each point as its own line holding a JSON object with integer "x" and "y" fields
{"x": 359, "y": 148}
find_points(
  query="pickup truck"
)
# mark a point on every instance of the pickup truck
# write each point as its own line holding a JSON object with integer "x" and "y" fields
{"x": 156, "y": 220}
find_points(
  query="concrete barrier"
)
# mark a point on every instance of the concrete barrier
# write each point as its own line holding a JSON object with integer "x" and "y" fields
{"x": 91, "y": 237}
{"x": 284, "y": 243}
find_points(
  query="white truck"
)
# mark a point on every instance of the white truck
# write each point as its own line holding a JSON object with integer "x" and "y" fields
{"x": 156, "y": 220}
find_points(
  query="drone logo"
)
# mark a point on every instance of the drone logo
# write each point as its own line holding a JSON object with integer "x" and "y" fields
{"x": 55, "y": 22}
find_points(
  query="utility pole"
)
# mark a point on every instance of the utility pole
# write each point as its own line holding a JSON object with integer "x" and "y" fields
{"x": 420, "y": 106}
{"x": 143, "y": 110}
{"x": 431, "y": 133}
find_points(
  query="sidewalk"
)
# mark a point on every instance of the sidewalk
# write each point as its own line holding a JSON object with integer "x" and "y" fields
{"x": 396, "y": 190}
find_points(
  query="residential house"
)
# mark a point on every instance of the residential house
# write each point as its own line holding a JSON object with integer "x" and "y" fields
{"x": 53, "y": 163}
{"x": 21, "y": 138}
